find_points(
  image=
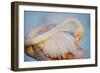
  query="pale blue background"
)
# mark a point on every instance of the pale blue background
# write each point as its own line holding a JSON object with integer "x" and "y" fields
{"x": 35, "y": 18}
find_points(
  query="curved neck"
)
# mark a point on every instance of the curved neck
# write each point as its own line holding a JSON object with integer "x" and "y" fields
{"x": 53, "y": 31}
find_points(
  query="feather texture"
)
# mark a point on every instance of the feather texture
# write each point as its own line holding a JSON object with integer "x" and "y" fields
{"x": 60, "y": 42}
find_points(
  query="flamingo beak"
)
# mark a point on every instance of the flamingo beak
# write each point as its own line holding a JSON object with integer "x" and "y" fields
{"x": 78, "y": 35}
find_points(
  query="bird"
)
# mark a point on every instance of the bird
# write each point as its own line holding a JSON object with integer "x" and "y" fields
{"x": 61, "y": 42}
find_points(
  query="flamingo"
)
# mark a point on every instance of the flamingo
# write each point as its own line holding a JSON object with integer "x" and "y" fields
{"x": 58, "y": 43}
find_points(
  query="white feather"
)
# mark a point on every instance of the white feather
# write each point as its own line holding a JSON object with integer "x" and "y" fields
{"x": 57, "y": 41}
